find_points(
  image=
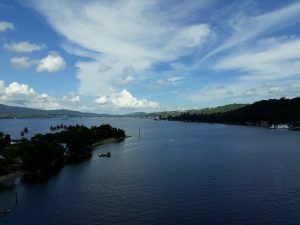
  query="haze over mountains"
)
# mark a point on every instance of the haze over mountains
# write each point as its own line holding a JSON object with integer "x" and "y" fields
{"x": 10, "y": 112}
{"x": 23, "y": 112}
{"x": 264, "y": 110}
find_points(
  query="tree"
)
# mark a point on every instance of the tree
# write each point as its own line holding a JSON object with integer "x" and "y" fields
{"x": 7, "y": 139}
{"x": 41, "y": 154}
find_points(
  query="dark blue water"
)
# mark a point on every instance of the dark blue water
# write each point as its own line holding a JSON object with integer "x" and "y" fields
{"x": 178, "y": 173}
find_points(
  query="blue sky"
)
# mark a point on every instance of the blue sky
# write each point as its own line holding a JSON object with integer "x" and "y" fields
{"x": 119, "y": 56}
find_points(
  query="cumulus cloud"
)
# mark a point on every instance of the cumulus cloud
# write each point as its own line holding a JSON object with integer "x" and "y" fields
{"x": 101, "y": 100}
{"x": 20, "y": 62}
{"x": 52, "y": 63}
{"x": 6, "y": 26}
{"x": 72, "y": 99}
{"x": 23, "y": 46}
{"x": 22, "y": 95}
{"x": 125, "y": 100}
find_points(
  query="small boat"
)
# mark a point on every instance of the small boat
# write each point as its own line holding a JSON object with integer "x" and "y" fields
{"x": 108, "y": 154}
{"x": 282, "y": 126}
{"x": 4, "y": 212}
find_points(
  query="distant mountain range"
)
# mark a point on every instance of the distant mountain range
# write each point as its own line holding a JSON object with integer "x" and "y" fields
{"x": 273, "y": 111}
{"x": 10, "y": 112}
{"x": 23, "y": 112}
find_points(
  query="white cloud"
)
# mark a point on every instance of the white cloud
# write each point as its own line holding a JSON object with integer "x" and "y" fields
{"x": 271, "y": 62}
{"x": 125, "y": 100}
{"x": 101, "y": 100}
{"x": 175, "y": 79}
{"x": 241, "y": 91}
{"x": 23, "y": 46}
{"x": 72, "y": 99}
{"x": 22, "y": 95}
{"x": 245, "y": 28}
{"x": 52, "y": 63}
{"x": 124, "y": 34}
{"x": 250, "y": 92}
{"x": 166, "y": 81}
{"x": 295, "y": 85}
{"x": 75, "y": 50}
{"x": 190, "y": 37}
{"x": 276, "y": 90}
{"x": 6, "y": 26}
{"x": 21, "y": 62}
{"x": 127, "y": 80}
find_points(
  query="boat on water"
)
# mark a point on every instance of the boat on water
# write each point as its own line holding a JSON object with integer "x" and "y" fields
{"x": 108, "y": 154}
{"x": 280, "y": 126}
{"x": 4, "y": 212}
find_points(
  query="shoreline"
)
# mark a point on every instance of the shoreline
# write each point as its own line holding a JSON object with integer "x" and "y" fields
{"x": 109, "y": 141}
{"x": 10, "y": 177}
{"x": 296, "y": 128}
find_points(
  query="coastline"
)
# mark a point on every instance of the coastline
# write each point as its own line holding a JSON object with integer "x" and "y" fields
{"x": 109, "y": 141}
{"x": 8, "y": 179}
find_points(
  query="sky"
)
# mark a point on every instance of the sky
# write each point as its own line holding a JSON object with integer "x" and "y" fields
{"x": 122, "y": 56}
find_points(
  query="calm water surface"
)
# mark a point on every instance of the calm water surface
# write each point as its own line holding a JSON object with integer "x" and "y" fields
{"x": 177, "y": 173}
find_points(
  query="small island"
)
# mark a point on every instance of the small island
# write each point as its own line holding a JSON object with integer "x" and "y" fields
{"x": 46, "y": 154}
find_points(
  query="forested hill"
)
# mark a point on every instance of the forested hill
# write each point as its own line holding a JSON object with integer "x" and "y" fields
{"x": 219, "y": 109}
{"x": 22, "y": 112}
{"x": 273, "y": 111}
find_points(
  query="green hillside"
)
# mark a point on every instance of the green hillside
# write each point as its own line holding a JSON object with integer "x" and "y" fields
{"x": 219, "y": 109}
{"x": 273, "y": 111}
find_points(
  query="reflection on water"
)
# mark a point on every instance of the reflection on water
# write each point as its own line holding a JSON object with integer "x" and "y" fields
{"x": 177, "y": 173}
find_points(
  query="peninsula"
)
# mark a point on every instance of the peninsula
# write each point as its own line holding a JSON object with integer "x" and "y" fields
{"x": 45, "y": 154}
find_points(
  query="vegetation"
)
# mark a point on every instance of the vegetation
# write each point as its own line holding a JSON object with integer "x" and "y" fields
{"x": 5, "y": 141}
{"x": 23, "y": 112}
{"x": 219, "y": 109}
{"x": 265, "y": 112}
{"x": 44, "y": 154}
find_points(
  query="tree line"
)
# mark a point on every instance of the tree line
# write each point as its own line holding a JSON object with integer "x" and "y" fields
{"x": 272, "y": 112}
{"x": 46, "y": 153}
